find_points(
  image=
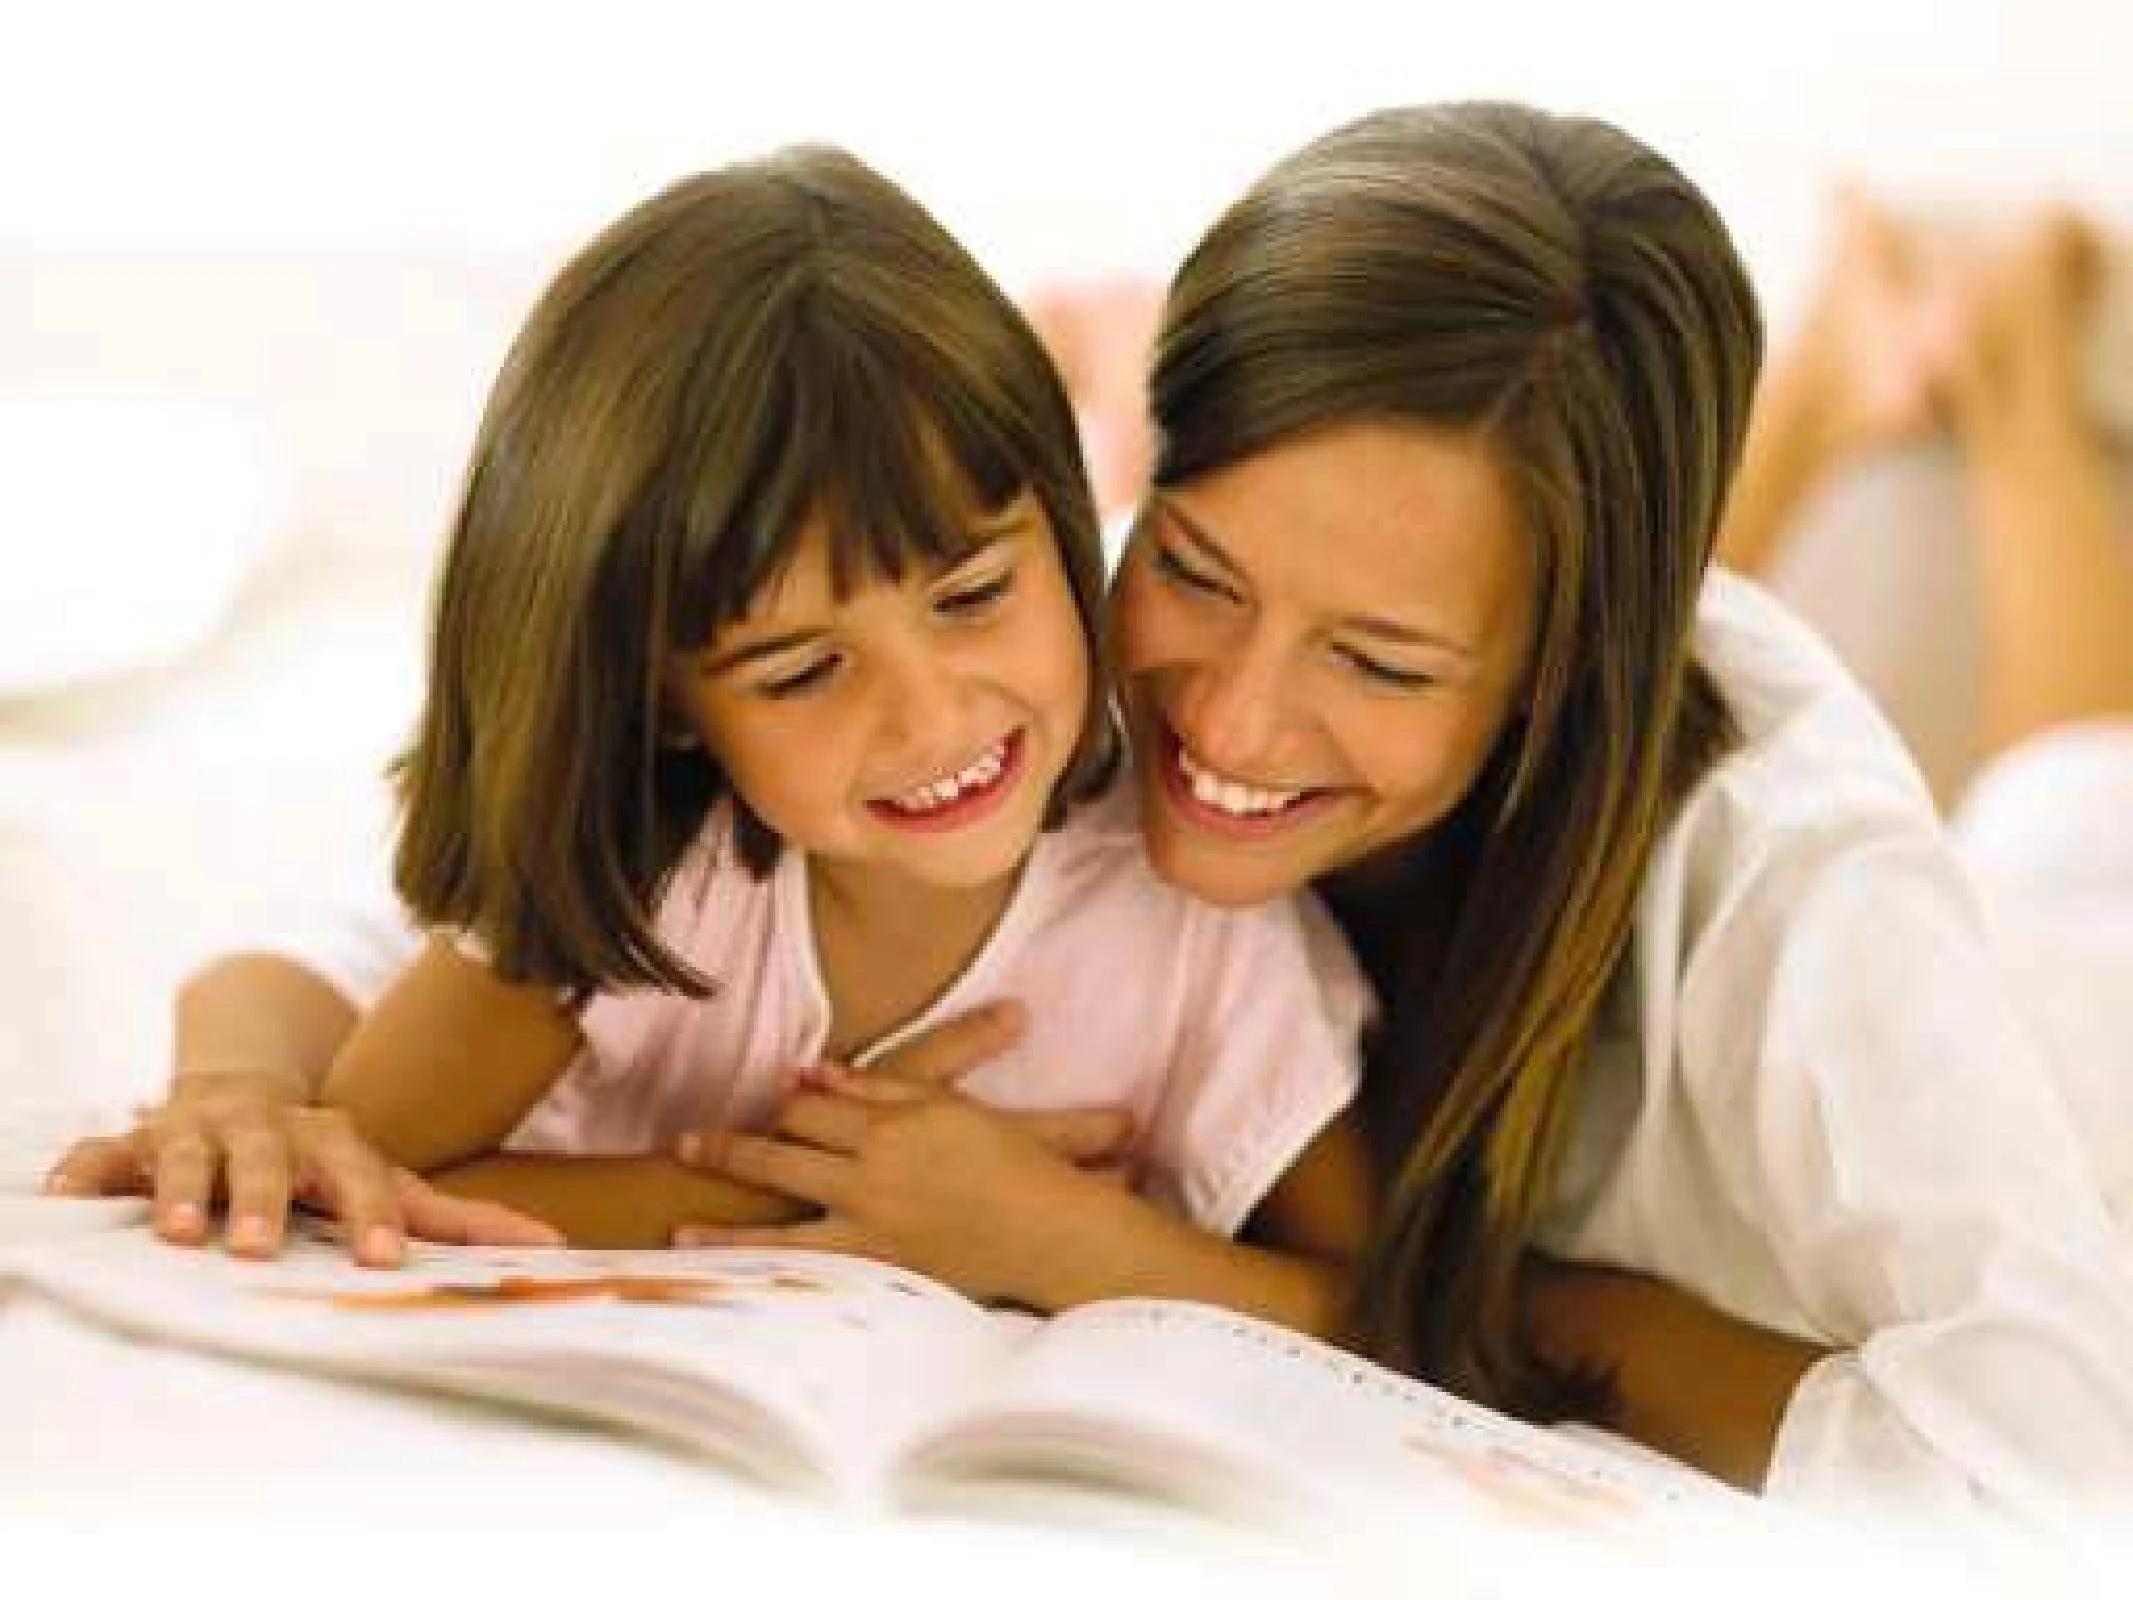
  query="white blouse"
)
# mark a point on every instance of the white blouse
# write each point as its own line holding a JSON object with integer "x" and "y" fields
{"x": 1817, "y": 1105}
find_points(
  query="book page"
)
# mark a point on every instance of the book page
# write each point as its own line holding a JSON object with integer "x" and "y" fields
{"x": 1235, "y": 1415}
{"x": 797, "y": 1366}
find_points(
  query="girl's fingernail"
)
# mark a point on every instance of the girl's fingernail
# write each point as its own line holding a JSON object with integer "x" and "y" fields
{"x": 187, "y": 1217}
{"x": 381, "y": 1244}
{"x": 248, "y": 1233}
{"x": 688, "y": 1238}
{"x": 58, "y": 1183}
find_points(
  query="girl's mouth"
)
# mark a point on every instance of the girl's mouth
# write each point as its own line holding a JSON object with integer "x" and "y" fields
{"x": 960, "y": 798}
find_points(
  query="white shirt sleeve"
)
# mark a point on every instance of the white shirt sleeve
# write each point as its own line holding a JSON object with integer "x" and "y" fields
{"x": 1925, "y": 1200}
{"x": 1830, "y": 1119}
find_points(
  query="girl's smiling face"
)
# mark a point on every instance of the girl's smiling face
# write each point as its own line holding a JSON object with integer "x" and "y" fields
{"x": 1318, "y": 647}
{"x": 915, "y": 726}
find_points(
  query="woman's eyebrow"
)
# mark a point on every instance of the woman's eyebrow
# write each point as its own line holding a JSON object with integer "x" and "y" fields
{"x": 1376, "y": 627}
{"x": 1199, "y": 538}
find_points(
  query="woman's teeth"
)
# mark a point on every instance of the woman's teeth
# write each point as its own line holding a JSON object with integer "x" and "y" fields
{"x": 1230, "y": 797}
{"x": 981, "y": 773}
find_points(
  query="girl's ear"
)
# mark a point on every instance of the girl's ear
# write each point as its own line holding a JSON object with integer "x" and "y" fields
{"x": 675, "y": 730}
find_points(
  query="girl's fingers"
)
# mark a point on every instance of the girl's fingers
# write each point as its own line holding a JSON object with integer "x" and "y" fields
{"x": 255, "y": 1165}
{"x": 792, "y": 1169}
{"x": 443, "y": 1218}
{"x": 360, "y": 1189}
{"x": 186, "y": 1163}
{"x": 102, "y": 1165}
{"x": 944, "y": 1053}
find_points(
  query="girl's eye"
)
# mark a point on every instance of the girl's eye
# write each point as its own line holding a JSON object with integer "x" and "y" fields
{"x": 798, "y": 681}
{"x": 1178, "y": 573}
{"x": 976, "y": 599}
{"x": 1384, "y": 676}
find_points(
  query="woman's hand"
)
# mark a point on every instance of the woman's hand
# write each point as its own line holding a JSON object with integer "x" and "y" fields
{"x": 250, "y": 1138}
{"x": 919, "y": 1175}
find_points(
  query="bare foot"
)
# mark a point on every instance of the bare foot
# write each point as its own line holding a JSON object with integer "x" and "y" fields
{"x": 2012, "y": 323}
{"x": 1870, "y": 349}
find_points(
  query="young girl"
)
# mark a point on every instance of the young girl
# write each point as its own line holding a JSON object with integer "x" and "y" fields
{"x": 764, "y": 725}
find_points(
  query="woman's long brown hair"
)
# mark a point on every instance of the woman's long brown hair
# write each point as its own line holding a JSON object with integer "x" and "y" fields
{"x": 777, "y": 341}
{"x": 1555, "y": 287}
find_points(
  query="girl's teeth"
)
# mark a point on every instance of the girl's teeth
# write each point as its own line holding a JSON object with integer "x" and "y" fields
{"x": 932, "y": 796}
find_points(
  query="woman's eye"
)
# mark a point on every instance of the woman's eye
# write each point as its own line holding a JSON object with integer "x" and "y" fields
{"x": 977, "y": 598}
{"x": 1389, "y": 677}
{"x": 1177, "y": 572}
{"x": 799, "y": 680}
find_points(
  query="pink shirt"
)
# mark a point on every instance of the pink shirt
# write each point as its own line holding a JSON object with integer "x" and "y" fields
{"x": 1231, "y": 1035}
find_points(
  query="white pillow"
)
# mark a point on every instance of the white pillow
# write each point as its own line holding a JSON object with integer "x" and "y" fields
{"x": 127, "y": 525}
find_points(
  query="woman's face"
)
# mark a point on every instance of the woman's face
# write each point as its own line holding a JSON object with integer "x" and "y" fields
{"x": 1318, "y": 647}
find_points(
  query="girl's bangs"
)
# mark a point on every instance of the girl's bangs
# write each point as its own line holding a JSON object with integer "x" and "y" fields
{"x": 897, "y": 478}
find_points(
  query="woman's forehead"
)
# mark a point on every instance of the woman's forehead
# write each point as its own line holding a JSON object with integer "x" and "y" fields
{"x": 1407, "y": 522}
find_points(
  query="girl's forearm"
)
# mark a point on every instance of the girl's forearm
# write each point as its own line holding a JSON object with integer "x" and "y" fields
{"x": 1689, "y": 1380}
{"x": 261, "y": 1018}
{"x": 613, "y": 1202}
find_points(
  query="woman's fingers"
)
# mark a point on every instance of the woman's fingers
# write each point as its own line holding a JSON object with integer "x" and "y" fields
{"x": 815, "y": 1176}
{"x": 944, "y": 1053}
{"x": 836, "y": 1122}
{"x": 1080, "y": 1136}
{"x": 871, "y": 1087}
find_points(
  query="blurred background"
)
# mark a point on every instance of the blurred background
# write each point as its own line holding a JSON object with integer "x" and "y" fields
{"x": 258, "y": 263}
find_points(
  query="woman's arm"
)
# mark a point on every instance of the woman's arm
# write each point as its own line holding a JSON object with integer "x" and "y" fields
{"x": 1293, "y": 1266}
{"x": 614, "y": 1202}
{"x": 1688, "y": 1380}
{"x": 997, "y": 1206}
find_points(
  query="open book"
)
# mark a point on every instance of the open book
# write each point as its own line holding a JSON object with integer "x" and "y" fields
{"x": 880, "y": 1386}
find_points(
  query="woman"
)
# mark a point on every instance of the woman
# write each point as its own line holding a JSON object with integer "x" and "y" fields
{"x": 1681, "y": 983}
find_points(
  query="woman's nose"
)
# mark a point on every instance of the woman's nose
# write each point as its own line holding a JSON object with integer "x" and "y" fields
{"x": 1232, "y": 714}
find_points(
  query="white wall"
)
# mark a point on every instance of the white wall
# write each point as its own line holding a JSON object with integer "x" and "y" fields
{"x": 1054, "y": 136}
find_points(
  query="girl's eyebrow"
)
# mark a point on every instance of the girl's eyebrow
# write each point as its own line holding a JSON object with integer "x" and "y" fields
{"x": 756, "y": 649}
{"x": 1385, "y": 628}
{"x": 993, "y": 532}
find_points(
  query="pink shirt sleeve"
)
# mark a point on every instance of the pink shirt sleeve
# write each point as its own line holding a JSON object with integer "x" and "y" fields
{"x": 1268, "y": 1059}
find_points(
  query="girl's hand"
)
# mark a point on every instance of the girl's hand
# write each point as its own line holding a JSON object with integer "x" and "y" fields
{"x": 249, "y": 1137}
{"x": 921, "y": 1176}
